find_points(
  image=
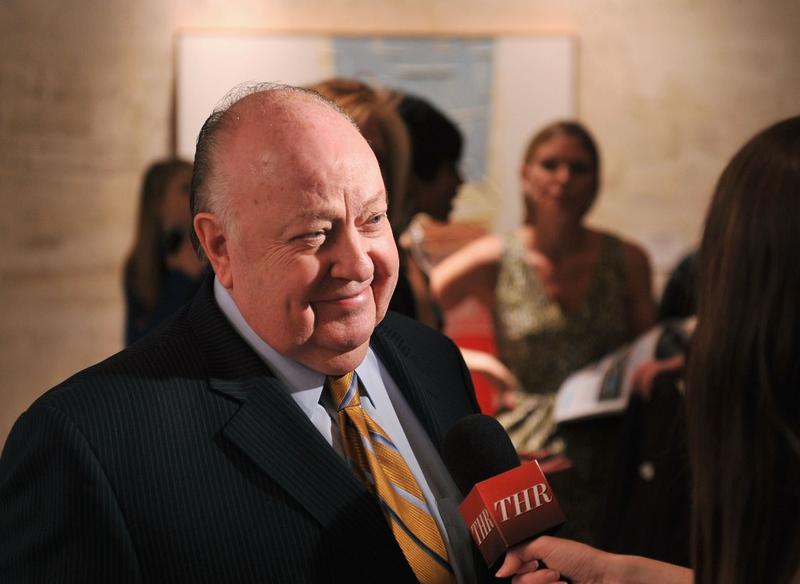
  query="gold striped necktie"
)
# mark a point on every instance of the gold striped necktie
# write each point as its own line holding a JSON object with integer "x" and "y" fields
{"x": 382, "y": 467}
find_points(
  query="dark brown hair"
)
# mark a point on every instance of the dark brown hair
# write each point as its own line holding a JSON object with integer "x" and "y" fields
{"x": 744, "y": 369}
{"x": 144, "y": 265}
{"x": 435, "y": 139}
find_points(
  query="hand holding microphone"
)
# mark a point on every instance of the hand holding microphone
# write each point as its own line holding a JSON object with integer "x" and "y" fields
{"x": 510, "y": 506}
{"x": 505, "y": 503}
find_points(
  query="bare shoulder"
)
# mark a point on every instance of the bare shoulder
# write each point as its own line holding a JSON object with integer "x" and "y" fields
{"x": 640, "y": 286}
{"x": 636, "y": 259}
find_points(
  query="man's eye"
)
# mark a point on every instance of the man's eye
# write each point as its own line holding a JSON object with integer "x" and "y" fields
{"x": 374, "y": 221}
{"x": 549, "y": 163}
{"x": 312, "y": 237}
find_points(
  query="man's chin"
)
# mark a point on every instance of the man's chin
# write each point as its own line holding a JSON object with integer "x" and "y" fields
{"x": 334, "y": 360}
{"x": 346, "y": 343}
{"x": 340, "y": 344}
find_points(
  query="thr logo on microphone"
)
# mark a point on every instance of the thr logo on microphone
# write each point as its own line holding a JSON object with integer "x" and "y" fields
{"x": 509, "y": 508}
{"x": 481, "y": 527}
{"x": 520, "y": 502}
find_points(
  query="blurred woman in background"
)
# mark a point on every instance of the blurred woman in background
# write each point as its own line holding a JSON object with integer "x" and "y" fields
{"x": 162, "y": 271}
{"x": 434, "y": 180}
{"x": 562, "y": 295}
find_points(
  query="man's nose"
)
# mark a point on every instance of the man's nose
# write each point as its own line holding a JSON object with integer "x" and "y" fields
{"x": 351, "y": 259}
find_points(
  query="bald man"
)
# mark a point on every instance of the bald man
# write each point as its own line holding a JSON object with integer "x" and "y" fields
{"x": 212, "y": 451}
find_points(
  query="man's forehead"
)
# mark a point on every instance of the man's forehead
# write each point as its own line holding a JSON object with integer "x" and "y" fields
{"x": 322, "y": 204}
{"x": 297, "y": 149}
{"x": 279, "y": 109}
{"x": 261, "y": 129}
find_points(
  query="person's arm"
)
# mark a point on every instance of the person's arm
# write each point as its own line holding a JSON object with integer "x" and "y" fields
{"x": 640, "y": 288}
{"x": 59, "y": 517}
{"x": 502, "y": 379}
{"x": 646, "y": 373}
{"x": 469, "y": 272}
{"x": 583, "y": 564}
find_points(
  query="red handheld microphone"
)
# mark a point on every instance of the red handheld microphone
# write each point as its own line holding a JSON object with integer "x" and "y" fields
{"x": 505, "y": 503}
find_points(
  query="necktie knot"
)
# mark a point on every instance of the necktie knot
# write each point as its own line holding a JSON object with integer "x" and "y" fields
{"x": 343, "y": 390}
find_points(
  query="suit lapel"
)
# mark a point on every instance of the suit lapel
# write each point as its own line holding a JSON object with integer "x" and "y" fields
{"x": 271, "y": 429}
{"x": 418, "y": 388}
{"x": 282, "y": 442}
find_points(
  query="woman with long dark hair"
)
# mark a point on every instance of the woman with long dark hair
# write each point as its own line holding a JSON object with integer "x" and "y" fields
{"x": 162, "y": 271}
{"x": 744, "y": 369}
{"x": 743, "y": 390}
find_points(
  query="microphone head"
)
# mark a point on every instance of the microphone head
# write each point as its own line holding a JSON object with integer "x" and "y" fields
{"x": 477, "y": 448}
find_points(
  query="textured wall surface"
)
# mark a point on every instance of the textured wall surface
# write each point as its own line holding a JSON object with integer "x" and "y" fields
{"x": 670, "y": 87}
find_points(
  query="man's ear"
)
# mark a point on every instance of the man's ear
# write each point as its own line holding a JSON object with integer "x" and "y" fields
{"x": 213, "y": 239}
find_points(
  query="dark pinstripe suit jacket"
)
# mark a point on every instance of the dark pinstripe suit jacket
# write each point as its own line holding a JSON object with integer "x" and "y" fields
{"x": 183, "y": 459}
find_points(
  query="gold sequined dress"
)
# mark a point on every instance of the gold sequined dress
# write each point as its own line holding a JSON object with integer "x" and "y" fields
{"x": 542, "y": 344}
